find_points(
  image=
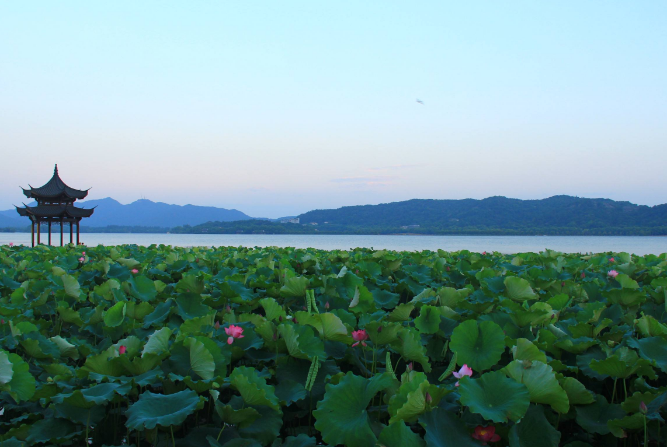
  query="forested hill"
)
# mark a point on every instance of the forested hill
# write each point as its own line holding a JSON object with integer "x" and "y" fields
{"x": 496, "y": 213}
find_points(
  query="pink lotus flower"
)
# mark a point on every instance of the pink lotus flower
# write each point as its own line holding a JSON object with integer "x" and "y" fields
{"x": 583, "y": 275}
{"x": 122, "y": 350}
{"x": 82, "y": 260}
{"x": 464, "y": 371}
{"x": 359, "y": 336}
{"x": 486, "y": 434}
{"x": 217, "y": 325}
{"x": 612, "y": 273}
{"x": 83, "y": 253}
{"x": 233, "y": 332}
{"x": 643, "y": 408}
{"x": 410, "y": 367}
{"x": 483, "y": 252}
{"x": 429, "y": 399}
{"x": 612, "y": 260}
{"x": 11, "y": 244}
{"x": 326, "y": 305}
{"x": 135, "y": 271}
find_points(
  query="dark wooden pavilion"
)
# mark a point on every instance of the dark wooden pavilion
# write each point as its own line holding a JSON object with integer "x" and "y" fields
{"x": 55, "y": 203}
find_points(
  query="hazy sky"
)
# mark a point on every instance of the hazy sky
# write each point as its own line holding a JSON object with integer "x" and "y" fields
{"x": 279, "y": 107}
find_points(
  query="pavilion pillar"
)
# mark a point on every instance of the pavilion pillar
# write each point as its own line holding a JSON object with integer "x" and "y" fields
{"x": 61, "y": 232}
{"x": 49, "y": 233}
{"x": 39, "y": 232}
{"x": 71, "y": 238}
{"x": 78, "y": 227}
{"x": 32, "y": 232}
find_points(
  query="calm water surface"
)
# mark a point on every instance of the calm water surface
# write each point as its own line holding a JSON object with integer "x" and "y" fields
{"x": 639, "y": 245}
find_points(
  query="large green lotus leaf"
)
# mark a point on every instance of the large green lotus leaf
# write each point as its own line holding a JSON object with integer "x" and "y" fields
{"x": 142, "y": 288}
{"x": 115, "y": 315}
{"x": 385, "y": 299}
{"x": 495, "y": 397}
{"x": 51, "y": 430}
{"x": 39, "y": 347}
{"x": 410, "y": 399}
{"x": 138, "y": 311}
{"x": 105, "y": 363}
{"x": 541, "y": 382}
{"x": 201, "y": 360}
{"x": 519, "y": 289}
{"x": 444, "y": 429}
{"x": 401, "y": 312}
{"x": 329, "y": 326}
{"x": 290, "y": 391}
{"x": 272, "y": 309}
{"x": 577, "y": 393}
{"x": 399, "y": 435}
{"x": 161, "y": 313}
{"x": 617, "y": 427}
{"x": 189, "y": 306}
{"x": 66, "y": 348}
{"x": 652, "y": 349}
{"x": 626, "y": 282}
{"x": 428, "y": 321}
{"x": 410, "y": 346}
{"x": 623, "y": 364}
{"x": 295, "y": 287}
{"x": 383, "y": 333}
{"x": 158, "y": 342}
{"x": 95, "y": 395}
{"x": 648, "y": 326}
{"x": 162, "y": 409}
{"x": 253, "y": 388}
{"x": 534, "y": 430}
{"x": 22, "y": 384}
{"x": 265, "y": 429}
{"x": 594, "y": 417}
{"x": 220, "y": 358}
{"x": 71, "y": 285}
{"x": 191, "y": 283}
{"x": 341, "y": 416}
{"x": 480, "y": 346}
{"x": 526, "y": 350}
{"x": 301, "y": 342}
{"x": 129, "y": 263}
{"x": 6, "y": 371}
{"x": 242, "y": 417}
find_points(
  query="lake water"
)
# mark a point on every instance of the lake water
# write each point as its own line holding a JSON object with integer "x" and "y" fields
{"x": 639, "y": 245}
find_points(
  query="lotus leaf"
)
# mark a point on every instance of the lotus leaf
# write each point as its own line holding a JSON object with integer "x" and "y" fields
{"x": 162, "y": 409}
{"x": 479, "y": 345}
{"x": 495, "y": 397}
{"x": 342, "y": 417}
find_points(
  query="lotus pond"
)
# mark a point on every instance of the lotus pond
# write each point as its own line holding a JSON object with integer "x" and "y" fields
{"x": 162, "y": 346}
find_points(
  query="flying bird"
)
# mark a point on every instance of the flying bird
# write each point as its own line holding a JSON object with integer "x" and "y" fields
{"x": 420, "y": 101}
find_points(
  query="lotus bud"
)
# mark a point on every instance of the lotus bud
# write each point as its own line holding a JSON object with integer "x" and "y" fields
{"x": 379, "y": 329}
{"x": 562, "y": 284}
{"x": 295, "y": 321}
{"x": 122, "y": 350}
{"x": 448, "y": 269}
{"x": 135, "y": 271}
{"x": 410, "y": 367}
{"x": 326, "y": 305}
{"x": 356, "y": 271}
{"x": 2, "y": 321}
{"x": 583, "y": 275}
{"x": 228, "y": 308}
{"x": 429, "y": 399}
{"x": 217, "y": 325}
{"x": 643, "y": 408}
{"x": 280, "y": 318}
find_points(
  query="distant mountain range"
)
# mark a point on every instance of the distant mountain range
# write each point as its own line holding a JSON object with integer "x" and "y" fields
{"x": 494, "y": 215}
{"x": 497, "y": 213}
{"x": 143, "y": 213}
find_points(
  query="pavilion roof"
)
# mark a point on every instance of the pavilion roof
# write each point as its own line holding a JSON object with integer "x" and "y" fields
{"x": 55, "y": 188}
{"x": 55, "y": 211}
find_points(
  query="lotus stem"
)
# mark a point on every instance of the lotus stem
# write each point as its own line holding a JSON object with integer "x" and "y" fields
{"x": 217, "y": 439}
{"x": 613, "y": 393}
{"x": 645, "y": 433}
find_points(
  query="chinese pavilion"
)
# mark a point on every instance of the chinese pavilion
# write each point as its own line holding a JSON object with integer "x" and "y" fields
{"x": 55, "y": 203}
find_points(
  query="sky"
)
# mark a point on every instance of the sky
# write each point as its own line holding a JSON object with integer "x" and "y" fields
{"x": 279, "y": 107}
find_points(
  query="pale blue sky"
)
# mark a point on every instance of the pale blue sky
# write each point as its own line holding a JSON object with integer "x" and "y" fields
{"x": 279, "y": 107}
